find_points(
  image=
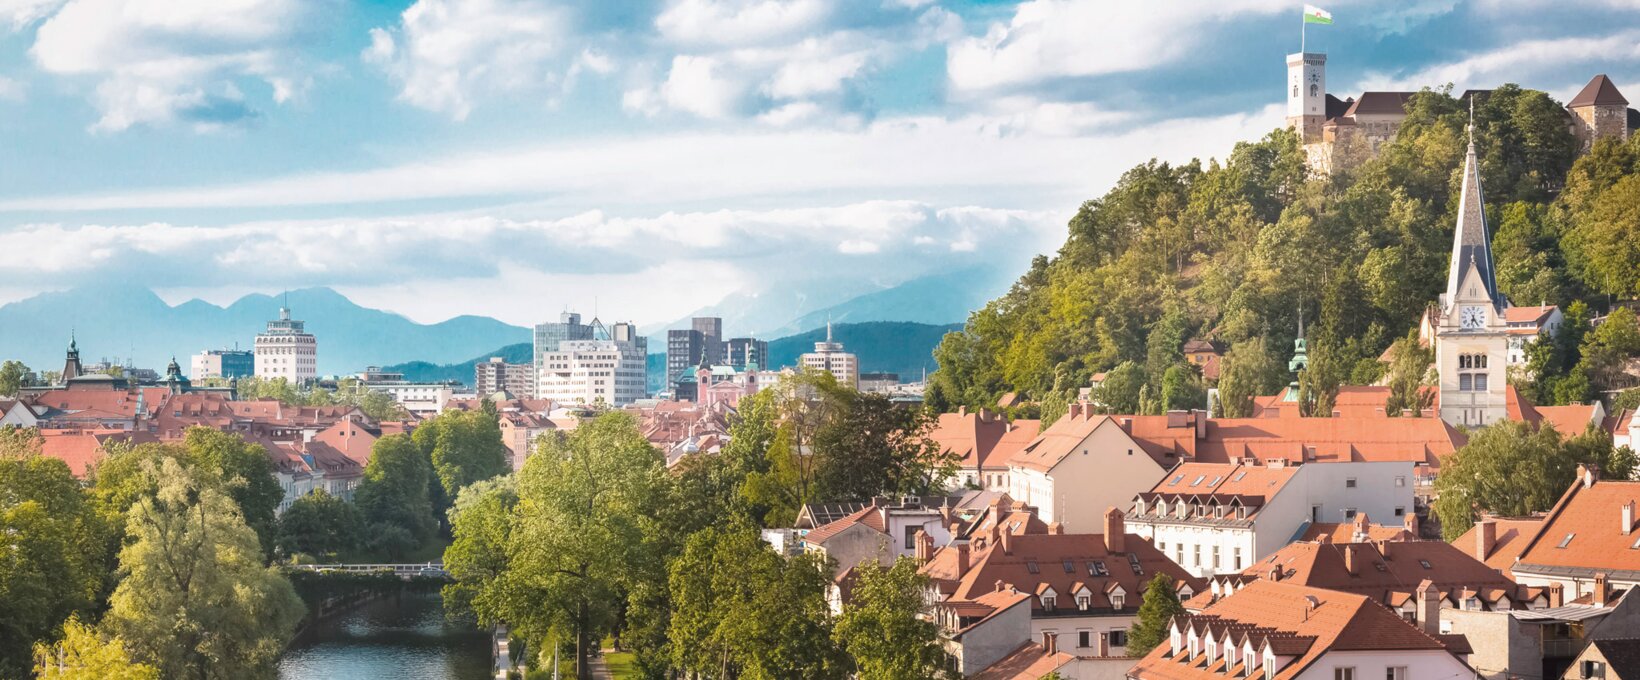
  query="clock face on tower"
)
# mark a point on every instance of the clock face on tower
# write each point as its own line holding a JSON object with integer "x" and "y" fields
{"x": 1472, "y": 317}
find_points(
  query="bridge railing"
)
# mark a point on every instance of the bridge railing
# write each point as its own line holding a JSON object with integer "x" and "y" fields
{"x": 424, "y": 568}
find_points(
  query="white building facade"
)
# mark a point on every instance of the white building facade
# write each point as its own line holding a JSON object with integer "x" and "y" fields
{"x": 829, "y": 357}
{"x": 589, "y": 372}
{"x": 287, "y": 351}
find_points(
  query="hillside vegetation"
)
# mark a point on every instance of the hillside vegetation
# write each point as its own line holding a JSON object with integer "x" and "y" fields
{"x": 1241, "y": 250}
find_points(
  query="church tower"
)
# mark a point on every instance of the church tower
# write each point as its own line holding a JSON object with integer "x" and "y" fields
{"x": 1471, "y": 338}
{"x": 1307, "y": 94}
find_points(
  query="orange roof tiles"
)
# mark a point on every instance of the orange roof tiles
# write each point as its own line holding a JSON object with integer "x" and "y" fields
{"x": 1584, "y": 534}
{"x": 1062, "y": 438}
{"x": 1346, "y": 532}
{"x": 982, "y": 439}
{"x": 871, "y": 517}
{"x": 1297, "y": 621}
{"x": 1030, "y": 662}
{"x": 1387, "y": 572}
{"x": 1535, "y": 314}
{"x": 1297, "y": 440}
{"x": 83, "y": 449}
{"x": 1031, "y": 562}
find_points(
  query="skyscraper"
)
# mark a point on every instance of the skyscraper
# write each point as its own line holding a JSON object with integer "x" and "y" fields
{"x": 687, "y": 348}
{"x": 829, "y": 356}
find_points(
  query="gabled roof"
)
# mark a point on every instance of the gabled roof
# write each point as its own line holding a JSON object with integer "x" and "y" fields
{"x": 1378, "y": 103}
{"x": 982, "y": 439}
{"x": 1029, "y": 662}
{"x": 1033, "y": 562}
{"x": 1347, "y": 532}
{"x": 1599, "y": 92}
{"x": 1533, "y": 315}
{"x": 1297, "y": 440}
{"x": 1066, "y": 434}
{"x": 1390, "y": 573}
{"x": 1582, "y": 534}
{"x": 869, "y": 517}
{"x": 1296, "y": 621}
{"x": 1511, "y": 537}
{"x": 1622, "y": 655}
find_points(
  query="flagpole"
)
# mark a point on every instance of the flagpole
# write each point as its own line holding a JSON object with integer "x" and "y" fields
{"x": 1302, "y": 25}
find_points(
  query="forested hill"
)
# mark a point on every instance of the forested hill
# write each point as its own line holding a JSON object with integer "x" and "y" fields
{"x": 1235, "y": 250}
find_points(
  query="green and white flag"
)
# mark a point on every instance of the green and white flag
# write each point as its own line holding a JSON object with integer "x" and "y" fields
{"x": 1316, "y": 15}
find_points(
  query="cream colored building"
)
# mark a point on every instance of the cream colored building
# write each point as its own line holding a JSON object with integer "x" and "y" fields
{"x": 1471, "y": 330}
{"x": 1080, "y": 467}
{"x": 829, "y": 356}
{"x": 287, "y": 351}
{"x": 610, "y": 371}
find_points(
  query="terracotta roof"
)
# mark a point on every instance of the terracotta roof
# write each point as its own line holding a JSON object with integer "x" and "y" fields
{"x": 83, "y": 449}
{"x": 1581, "y": 534}
{"x": 1062, "y": 438}
{"x": 1297, "y": 621}
{"x": 1030, "y": 662}
{"x": 1536, "y": 315}
{"x": 1619, "y": 421}
{"x": 1391, "y": 572}
{"x": 1353, "y": 401}
{"x": 982, "y": 439}
{"x": 870, "y": 517}
{"x": 1599, "y": 92}
{"x": 1297, "y": 440}
{"x": 1346, "y": 532}
{"x": 986, "y": 607}
{"x": 1512, "y": 535}
{"x": 348, "y": 437}
{"x": 1032, "y": 561}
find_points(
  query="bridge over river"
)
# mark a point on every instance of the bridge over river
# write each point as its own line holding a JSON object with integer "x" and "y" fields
{"x": 404, "y": 571}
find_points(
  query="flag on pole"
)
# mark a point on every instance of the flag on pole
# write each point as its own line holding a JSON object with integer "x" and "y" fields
{"x": 1316, "y": 15}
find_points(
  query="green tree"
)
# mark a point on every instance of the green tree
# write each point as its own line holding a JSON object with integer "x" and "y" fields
{"x": 83, "y": 654}
{"x": 1120, "y": 391}
{"x": 874, "y": 447}
{"x": 882, "y": 630}
{"x": 321, "y": 525}
{"x": 1511, "y": 469}
{"x": 195, "y": 600}
{"x": 13, "y": 375}
{"x": 1408, "y": 376}
{"x": 1318, "y": 382}
{"x": 246, "y": 474}
{"x": 393, "y": 497}
{"x": 1604, "y": 239}
{"x": 464, "y": 447}
{"x": 582, "y": 536}
{"x": 1160, "y": 605}
{"x": 481, "y": 524}
{"x": 1182, "y": 388}
{"x": 1247, "y": 371}
{"x": 802, "y": 406}
{"x": 53, "y": 548}
{"x": 743, "y": 610}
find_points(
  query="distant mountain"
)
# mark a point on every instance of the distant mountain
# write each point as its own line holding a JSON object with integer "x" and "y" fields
{"x": 120, "y": 322}
{"x": 935, "y": 299}
{"x": 423, "y": 371}
{"x": 899, "y": 347}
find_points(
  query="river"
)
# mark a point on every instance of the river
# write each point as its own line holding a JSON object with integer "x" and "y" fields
{"x": 396, "y": 638}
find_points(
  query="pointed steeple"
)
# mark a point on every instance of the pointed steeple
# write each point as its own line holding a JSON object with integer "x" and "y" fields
{"x": 1471, "y": 244}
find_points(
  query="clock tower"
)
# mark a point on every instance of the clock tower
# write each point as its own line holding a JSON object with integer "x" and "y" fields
{"x": 1307, "y": 94}
{"x": 1472, "y": 338}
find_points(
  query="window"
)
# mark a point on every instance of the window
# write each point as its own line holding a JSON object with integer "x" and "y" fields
{"x": 1032, "y": 567}
{"x": 1216, "y": 557}
{"x": 1425, "y": 564}
{"x": 1400, "y": 482}
{"x": 1349, "y": 513}
{"x": 1048, "y": 602}
{"x": 911, "y": 536}
{"x": 1344, "y": 673}
{"x": 1069, "y": 568}
{"x": 1084, "y": 638}
{"x": 1117, "y": 637}
{"x": 1133, "y": 561}
{"x": 1239, "y": 475}
{"x": 1466, "y": 382}
{"x": 1592, "y": 669}
{"x": 1237, "y": 554}
{"x": 1196, "y": 554}
{"x": 1082, "y": 603}
{"x": 1118, "y": 599}
{"x": 1176, "y": 480}
{"x": 1400, "y": 511}
{"x": 1395, "y": 673}
{"x": 1567, "y": 540}
{"x": 1198, "y": 480}
{"x": 1349, "y": 483}
{"x": 1097, "y": 568}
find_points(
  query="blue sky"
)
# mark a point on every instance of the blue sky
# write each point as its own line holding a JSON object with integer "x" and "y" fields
{"x": 511, "y": 157}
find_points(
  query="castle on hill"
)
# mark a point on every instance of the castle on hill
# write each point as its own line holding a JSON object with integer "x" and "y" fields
{"x": 1337, "y": 132}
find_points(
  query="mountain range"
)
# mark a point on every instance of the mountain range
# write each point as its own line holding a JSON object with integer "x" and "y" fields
{"x": 122, "y": 323}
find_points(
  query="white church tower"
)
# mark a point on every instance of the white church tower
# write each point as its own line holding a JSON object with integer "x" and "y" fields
{"x": 1307, "y": 94}
{"x": 1471, "y": 338}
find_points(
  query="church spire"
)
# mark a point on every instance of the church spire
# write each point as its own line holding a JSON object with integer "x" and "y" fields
{"x": 1471, "y": 245}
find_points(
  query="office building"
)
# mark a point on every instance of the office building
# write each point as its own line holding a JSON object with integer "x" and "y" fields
{"x": 746, "y": 352}
{"x": 224, "y": 363}
{"x": 608, "y": 370}
{"x": 829, "y": 356}
{"x": 497, "y": 375}
{"x": 687, "y": 348}
{"x": 287, "y": 351}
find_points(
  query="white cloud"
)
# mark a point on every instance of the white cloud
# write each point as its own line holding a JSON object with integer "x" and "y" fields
{"x": 737, "y": 23}
{"x": 163, "y": 61}
{"x": 1527, "y": 62}
{"x": 426, "y": 251}
{"x": 700, "y": 86}
{"x": 15, "y": 14}
{"x": 444, "y": 53}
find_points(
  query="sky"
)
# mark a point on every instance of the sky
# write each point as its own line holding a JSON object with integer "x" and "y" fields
{"x": 513, "y": 157}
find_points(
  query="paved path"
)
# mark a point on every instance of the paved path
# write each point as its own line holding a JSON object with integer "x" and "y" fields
{"x": 600, "y": 670}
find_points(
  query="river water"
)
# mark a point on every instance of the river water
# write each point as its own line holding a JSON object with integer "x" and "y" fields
{"x": 395, "y": 638}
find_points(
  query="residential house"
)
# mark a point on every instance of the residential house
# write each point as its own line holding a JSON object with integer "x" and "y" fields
{"x": 1624, "y": 427}
{"x": 1527, "y": 325}
{"x": 1591, "y": 532}
{"x": 1215, "y": 518}
{"x": 1285, "y": 631}
{"x": 1084, "y": 588}
{"x": 1085, "y": 463}
{"x": 884, "y": 531}
{"x": 1610, "y": 659}
{"x": 985, "y": 442}
{"x": 81, "y": 450}
{"x": 1498, "y": 541}
{"x": 1541, "y": 642}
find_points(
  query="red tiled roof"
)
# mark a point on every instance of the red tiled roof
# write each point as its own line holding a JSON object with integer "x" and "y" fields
{"x": 1030, "y": 662}
{"x": 83, "y": 449}
{"x": 870, "y": 517}
{"x": 1353, "y": 401}
{"x": 1062, "y": 438}
{"x": 1346, "y": 532}
{"x": 1512, "y": 535}
{"x": 1035, "y": 561}
{"x": 348, "y": 437}
{"x": 1528, "y": 314}
{"x": 1297, "y": 621}
{"x": 1389, "y": 572}
{"x": 982, "y": 439}
{"x": 1296, "y": 440}
{"x": 1591, "y": 517}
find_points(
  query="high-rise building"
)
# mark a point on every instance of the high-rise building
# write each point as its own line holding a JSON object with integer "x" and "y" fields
{"x": 746, "y": 352}
{"x": 496, "y": 375}
{"x": 224, "y": 363}
{"x": 605, "y": 370}
{"x": 688, "y": 347}
{"x": 829, "y": 356}
{"x": 548, "y": 336}
{"x": 287, "y": 351}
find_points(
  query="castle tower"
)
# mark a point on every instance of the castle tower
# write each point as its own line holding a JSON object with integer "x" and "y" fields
{"x": 1307, "y": 94}
{"x": 1598, "y": 111}
{"x": 1471, "y": 336}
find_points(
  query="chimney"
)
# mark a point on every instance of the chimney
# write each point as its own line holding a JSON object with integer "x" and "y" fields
{"x": 1429, "y": 607}
{"x": 1000, "y": 585}
{"x": 1115, "y": 531}
{"x": 1600, "y": 589}
{"x": 1349, "y": 557}
{"x": 925, "y": 546}
{"x": 985, "y": 415}
{"x": 962, "y": 411}
{"x": 962, "y": 559}
{"x": 1486, "y": 536}
{"x": 1275, "y": 573}
{"x": 1383, "y": 548}
{"x": 1628, "y": 517}
{"x": 1201, "y": 423}
{"x": 1050, "y": 643}
{"x": 1589, "y": 474}
{"x": 1007, "y": 542}
{"x": 1557, "y": 595}
{"x": 1412, "y": 524}
{"x": 1056, "y": 529}
{"x": 1311, "y": 603}
{"x": 1177, "y": 419}
{"x": 945, "y": 515}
